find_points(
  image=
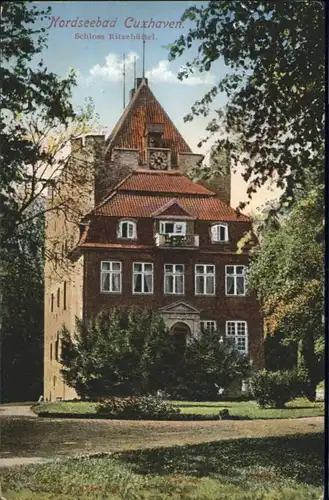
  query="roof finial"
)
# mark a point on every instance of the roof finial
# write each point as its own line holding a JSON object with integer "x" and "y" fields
{"x": 143, "y": 74}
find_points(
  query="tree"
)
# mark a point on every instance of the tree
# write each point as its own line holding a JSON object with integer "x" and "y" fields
{"x": 123, "y": 352}
{"x": 287, "y": 274}
{"x": 21, "y": 283}
{"x": 36, "y": 125}
{"x": 273, "y": 124}
{"x": 209, "y": 364}
{"x": 37, "y": 121}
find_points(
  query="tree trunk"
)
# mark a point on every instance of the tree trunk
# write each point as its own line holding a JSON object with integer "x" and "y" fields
{"x": 308, "y": 366}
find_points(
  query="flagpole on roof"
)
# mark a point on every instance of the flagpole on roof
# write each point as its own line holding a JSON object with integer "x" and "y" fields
{"x": 143, "y": 74}
{"x": 124, "y": 80}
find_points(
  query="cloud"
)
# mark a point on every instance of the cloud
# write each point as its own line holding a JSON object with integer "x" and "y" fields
{"x": 162, "y": 73}
{"x": 113, "y": 67}
{"x": 112, "y": 70}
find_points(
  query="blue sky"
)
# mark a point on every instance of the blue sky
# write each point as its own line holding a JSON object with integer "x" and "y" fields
{"x": 99, "y": 62}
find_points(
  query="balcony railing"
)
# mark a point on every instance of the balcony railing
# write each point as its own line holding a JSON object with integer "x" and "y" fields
{"x": 177, "y": 240}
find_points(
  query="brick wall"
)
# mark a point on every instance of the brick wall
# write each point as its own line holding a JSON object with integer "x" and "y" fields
{"x": 219, "y": 307}
{"x": 104, "y": 230}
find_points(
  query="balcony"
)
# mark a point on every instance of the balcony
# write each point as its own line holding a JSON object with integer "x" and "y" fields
{"x": 177, "y": 240}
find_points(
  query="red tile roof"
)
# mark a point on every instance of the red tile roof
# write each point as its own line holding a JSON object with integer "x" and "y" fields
{"x": 139, "y": 205}
{"x": 142, "y": 109}
{"x": 162, "y": 182}
{"x": 142, "y": 193}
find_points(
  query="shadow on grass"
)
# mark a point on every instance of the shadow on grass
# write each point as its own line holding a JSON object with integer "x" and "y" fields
{"x": 301, "y": 407}
{"x": 298, "y": 457}
{"x": 218, "y": 406}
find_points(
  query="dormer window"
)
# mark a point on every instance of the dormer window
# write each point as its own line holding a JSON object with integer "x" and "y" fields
{"x": 154, "y": 132}
{"x": 173, "y": 228}
{"x": 219, "y": 232}
{"x": 127, "y": 229}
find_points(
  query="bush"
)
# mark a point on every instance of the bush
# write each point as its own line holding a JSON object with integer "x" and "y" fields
{"x": 143, "y": 407}
{"x": 123, "y": 352}
{"x": 208, "y": 365}
{"x": 130, "y": 352}
{"x": 275, "y": 389}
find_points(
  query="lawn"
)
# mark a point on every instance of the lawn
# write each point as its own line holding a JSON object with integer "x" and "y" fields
{"x": 276, "y": 468}
{"x": 300, "y": 407}
{"x": 51, "y": 437}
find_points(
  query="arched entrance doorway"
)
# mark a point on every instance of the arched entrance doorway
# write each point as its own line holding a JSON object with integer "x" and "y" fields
{"x": 180, "y": 332}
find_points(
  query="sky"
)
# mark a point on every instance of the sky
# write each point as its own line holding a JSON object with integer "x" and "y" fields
{"x": 96, "y": 54}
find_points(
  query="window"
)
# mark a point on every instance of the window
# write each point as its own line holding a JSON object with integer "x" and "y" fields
{"x": 52, "y": 302}
{"x": 111, "y": 277}
{"x": 142, "y": 277}
{"x": 219, "y": 232}
{"x": 58, "y": 297}
{"x": 174, "y": 279}
{"x": 51, "y": 352}
{"x": 64, "y": 296}
{"x": 208, "y": 325}
{"x": 57, "y": 348}
{"x": 54, "y": 381}
{"x": 235, "y": 280}
{"x": 236, "y": 332}
{"x": 204, "y": 279}
{"x": 176, "y": 228}
{"x": 127, "y": 229}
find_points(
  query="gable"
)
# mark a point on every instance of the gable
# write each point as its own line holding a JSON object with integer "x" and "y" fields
{"x": 179, "y": 307}
{"x": 142, "y": 110}
{"x": 172, "y": 209}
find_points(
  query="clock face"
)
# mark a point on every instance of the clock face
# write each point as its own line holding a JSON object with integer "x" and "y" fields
{"x": 158, "y": 160}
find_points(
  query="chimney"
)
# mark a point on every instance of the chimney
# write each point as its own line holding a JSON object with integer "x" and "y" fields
{"x": 140, "y": 80}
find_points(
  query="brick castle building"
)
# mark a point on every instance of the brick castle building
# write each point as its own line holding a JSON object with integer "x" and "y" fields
{"x": 144, "y": 234}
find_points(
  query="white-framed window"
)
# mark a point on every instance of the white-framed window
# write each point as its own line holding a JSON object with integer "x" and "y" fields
{"x": 235, "y": 280}
{"x": 142, "y": 277}
{"x": 127, "y": 229}
{"x": 237, "y": 333}
{"x": 204, "y": 279}
{"x": 173, "y": 228}
{"x": 207, "y": 324}
{"x": 111, "y": 277}
{"x": 174, "y": 279}
{"x": 219, "y": 232}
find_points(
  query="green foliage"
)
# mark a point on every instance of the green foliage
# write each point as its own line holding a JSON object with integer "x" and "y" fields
{"x": 274, "y": 118}
{"x": 21, "y": 304}
{"x": 287, "y": 274}
{"x": 35, "y": 104}
{"x": 208, "y": 365}
{"x": 130, "y": 351}
{"x": 123, "y": 352}
{"x": 275, "y": 389}
{"x": 278, "y": 354}
{"x": 140, "y": 407}
{"x": 196, "y": 410}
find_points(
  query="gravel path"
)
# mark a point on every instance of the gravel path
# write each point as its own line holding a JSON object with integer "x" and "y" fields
{"x": 16, "y": 411}
{"x": 26, "y": 439}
